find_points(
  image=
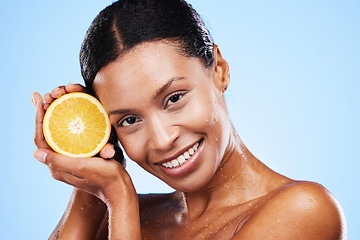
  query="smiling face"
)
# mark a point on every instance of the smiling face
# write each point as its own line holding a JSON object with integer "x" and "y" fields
{"x": 169, "y": 112}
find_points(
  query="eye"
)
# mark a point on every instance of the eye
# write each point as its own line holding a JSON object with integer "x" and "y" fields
{"x": 128, "y": 121}
{"x": 173, "y": 98}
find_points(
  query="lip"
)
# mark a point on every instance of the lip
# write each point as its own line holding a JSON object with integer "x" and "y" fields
{"x": 178, "y": 153}
{"x": 187, "y": 167}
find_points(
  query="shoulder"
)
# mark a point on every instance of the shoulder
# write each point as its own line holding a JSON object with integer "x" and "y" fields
{"x": 158, "y": 200}
{"x": 158, "y": 213}
{"x": 300, "y": 210}
{"x": 158, "y": 205}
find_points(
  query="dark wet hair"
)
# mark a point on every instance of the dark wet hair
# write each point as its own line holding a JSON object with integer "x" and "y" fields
{"x": 127, "y": 23}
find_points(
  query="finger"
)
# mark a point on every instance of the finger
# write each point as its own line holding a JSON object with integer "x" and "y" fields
{"x": 119, "y": 156}
{"x": 46, "y": 106}
{"x": 66, "y": 177}
{"x": 69, "y": 178}
{"x": 56, "y": 174}
{"x": 48, "y": 98}
{"x": 76, "y": 166}
{"x": 74, "y": 180}
{"x": 71, "y": 87}
{"x": 39, "y": 138}
{"x": 33, "y": 101}
{"x": 108, "y": 151}
{"x": 58, "y": 92}
{"x": 36, "y": 98}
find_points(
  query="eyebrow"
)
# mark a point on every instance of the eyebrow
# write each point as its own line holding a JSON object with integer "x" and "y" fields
{"x": 157, "y": 94}
{"x": 167, "y": 85}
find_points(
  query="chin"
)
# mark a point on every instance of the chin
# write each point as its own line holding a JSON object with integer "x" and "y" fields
{"x": 198, "y": 183}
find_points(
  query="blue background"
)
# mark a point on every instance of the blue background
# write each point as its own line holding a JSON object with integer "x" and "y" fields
{"x": 294, "y": 95}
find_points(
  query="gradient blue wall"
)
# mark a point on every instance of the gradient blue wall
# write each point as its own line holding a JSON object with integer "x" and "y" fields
{"x": 294, "y": 95}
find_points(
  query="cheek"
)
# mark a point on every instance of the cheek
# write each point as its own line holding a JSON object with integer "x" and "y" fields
{"x": 203, "y": 114}
{"x": 211, "y": 118}
{"x": 133, "y": 146}
{"x": 196, "y": 118}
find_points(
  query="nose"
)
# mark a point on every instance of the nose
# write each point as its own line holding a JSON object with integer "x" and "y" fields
{"x": 162, "y": 133}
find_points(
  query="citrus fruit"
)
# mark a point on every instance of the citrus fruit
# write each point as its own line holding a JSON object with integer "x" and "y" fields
{"x": 76, "y": 125}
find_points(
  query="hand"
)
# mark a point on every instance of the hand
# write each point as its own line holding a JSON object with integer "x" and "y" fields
{"x": 41, "y": 107}
{"x": 101, "y": 176}
{"x": 62, "y": 90}
{"x": 65, "y": 173}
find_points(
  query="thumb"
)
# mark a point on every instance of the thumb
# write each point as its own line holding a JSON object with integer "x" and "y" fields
{"x": 108, "y": 151}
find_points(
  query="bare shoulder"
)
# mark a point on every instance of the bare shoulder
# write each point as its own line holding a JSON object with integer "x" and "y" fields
{"x": 159, "y": 213}
{"x": 300, "y": 210}
{"x": 154, "y": 201}
{"x": 161, "y": 206}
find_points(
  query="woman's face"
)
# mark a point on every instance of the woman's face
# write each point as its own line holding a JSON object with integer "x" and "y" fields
{"x": 169, "y": 113}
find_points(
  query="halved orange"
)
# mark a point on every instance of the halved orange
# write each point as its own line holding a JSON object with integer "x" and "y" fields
{"x": 76, "y": 125}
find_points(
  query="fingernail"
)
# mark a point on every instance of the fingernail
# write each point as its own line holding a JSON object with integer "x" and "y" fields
{"x": 40, "y": 156}
{"x": 112, "y": 150}
{"x": 32, "y": 99}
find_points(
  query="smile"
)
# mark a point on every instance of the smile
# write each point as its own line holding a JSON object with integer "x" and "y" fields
{"x": 182, "y": 158}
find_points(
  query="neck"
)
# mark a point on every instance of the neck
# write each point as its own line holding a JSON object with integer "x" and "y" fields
{"x": 239, "y": 178}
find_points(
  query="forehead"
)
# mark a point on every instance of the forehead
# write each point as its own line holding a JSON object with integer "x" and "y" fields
{"x": 144, "y": 69}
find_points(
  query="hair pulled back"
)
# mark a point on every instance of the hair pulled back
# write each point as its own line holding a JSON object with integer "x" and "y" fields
{"x": 126, "y": 23}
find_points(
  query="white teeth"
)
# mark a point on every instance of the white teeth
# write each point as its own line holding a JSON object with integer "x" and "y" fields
{"x": 195, "y": 147}
{"x": 191, "y": 151}
{"x": 182, "y": 158}
{"x": 175, "y": 163}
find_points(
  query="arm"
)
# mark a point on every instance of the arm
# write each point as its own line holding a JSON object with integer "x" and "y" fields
{"x": 97, "y": 181}
{"x": 124, "y": 217}
{"x": 84, "y": 212}
{"x": 81, "y": 219}
{"x": 303, "y": 210}
{"x": 103, "y": 178}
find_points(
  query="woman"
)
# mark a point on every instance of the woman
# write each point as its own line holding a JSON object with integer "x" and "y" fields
{"x": 156, "y": 70}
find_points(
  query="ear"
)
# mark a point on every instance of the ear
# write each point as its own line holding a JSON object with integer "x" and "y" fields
{"x": 221, "y": 72}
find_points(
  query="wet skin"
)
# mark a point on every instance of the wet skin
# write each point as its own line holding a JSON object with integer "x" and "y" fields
{"x": 165, "y": 106}
{"x": 161, "y": 104}
{"x": 164, "y": 127}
